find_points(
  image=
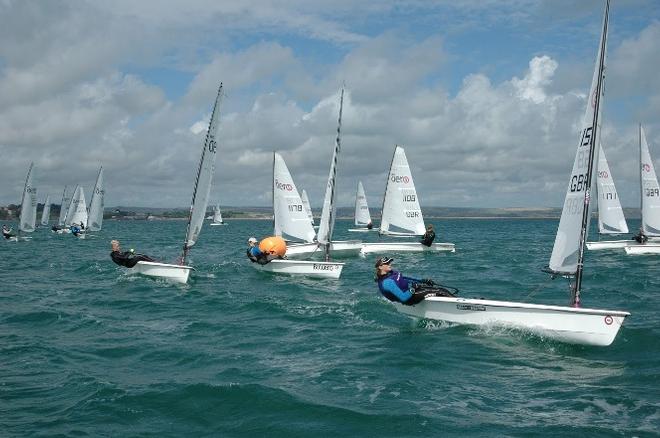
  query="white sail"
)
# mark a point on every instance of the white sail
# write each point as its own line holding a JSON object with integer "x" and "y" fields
{"x": 204, "y": 179}
{"x": 77, "y": 211}
{"x": 217, "y": 215}
{"x": 572, "y": 230}
{"x": 28, "y": 218}
{"x": 401, "y": 211}
{"x": 362, "y": 216}
{"x": 64, "y": 206}
{"x": 329, "y": 212}
{"x": 45, "y": 213}
{"x": 308, "y": 207}
{"x": 290, "y": 215}
{"x": 610, "y": 214}
{"x": 95, "y": 220}
{"x": 650, "y": 190}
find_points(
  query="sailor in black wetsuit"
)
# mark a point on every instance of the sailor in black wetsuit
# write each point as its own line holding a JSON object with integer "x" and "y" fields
{"x": 428, "y": 237}
{"x": 126, "y": 258}
{"x": 640, "y": 237}
{"x": 6, "y": 232}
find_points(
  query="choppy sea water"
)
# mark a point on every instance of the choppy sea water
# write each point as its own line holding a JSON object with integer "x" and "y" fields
{"x": 88, "y": 350}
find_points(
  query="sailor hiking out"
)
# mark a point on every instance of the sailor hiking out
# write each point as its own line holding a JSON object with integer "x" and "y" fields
{"x": 127, "y": 258}
{"x": 406, "y": 290}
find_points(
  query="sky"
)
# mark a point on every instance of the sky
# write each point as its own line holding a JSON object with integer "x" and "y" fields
{"x": 486, "y": 96}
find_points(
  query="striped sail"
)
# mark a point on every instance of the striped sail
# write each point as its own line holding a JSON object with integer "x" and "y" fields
{"x": 290, "y": 216}
{"x": 95, "y": 220}
{"x": 649, "y": 188}
{"x": 610, "y": 214}
{"x": 308, "y": 207}
{"x": 203, "y": 180}
{"x": 570, "y": 233}
{"x": 362, "y": 216}
{"x": 401, "y": 211}
{"x": 329, "y": 212}
{"x": 28, "y": 217}
{"x": 45, "y": 213}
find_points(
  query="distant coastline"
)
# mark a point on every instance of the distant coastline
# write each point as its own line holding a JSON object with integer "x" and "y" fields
{"x": 11, "y": 212}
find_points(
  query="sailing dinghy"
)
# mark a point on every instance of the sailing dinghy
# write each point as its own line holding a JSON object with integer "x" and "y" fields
{"x": 291, "y": 221}
{"x": 64, "y": 206}
{"x": 324, "y": 243}
{"x": 401, "y": 213}
{"x": 572, "y": 324}
{"x": 217, "y": 217}
{"x": 96, "y": 205}
{"x": 180, "y": 272}
{"x": 611, "y": 220}
{"x": 77, "y": 211}
{"x": 45, "y": 213}
{"x": 362, "y": 215}
{"x": 27, "y": 220}
{"x": 650, "y": 202}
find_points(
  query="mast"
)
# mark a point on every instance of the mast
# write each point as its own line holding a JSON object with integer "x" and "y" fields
{"x": 575, "y": 298}
{"x": 62, "y": 218}
{"x": 333, "y": 176}
{"x": 273, "y": 195}
{"x": 210, "y": 145}
{"x": 641, "y": 178}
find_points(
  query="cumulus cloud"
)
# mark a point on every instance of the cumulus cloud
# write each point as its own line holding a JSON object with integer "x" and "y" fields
{"x": 474, "y": 137}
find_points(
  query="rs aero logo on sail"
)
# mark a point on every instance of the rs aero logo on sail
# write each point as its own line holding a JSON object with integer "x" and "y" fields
{"x": 287, "y": 187}
{"x": 400, "y": 179}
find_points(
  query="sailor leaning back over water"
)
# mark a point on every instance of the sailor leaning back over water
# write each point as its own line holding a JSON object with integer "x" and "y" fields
{"x": 405, "y": 290}
{"x": 126, "y": 258}
{"x": 6, "y": 232}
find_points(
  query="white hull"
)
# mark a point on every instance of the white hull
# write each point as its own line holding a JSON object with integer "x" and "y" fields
{"x": 21, "y": 238}
{"x": 303, "y": 267}
{"x": 176, "y": 273}
{"x": 383, "y": 247}
{"x": 566, "y": 324}
{"x": 337, "y": 248}
{"x": 362, "y": 230}
{"x": 610, "y": 244}
{"x": 215, "y": 224}
{"x": 63, "y": 231}
{"x": 647, "y": 248}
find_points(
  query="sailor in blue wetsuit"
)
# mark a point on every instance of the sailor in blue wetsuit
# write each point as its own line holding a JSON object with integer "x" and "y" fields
{"x": 398, "y": 288}
{"x": 254, "y": 253}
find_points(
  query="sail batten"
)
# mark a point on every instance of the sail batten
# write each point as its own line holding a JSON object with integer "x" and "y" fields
{"x": 203, "y": 179}
{"x": 401, "y": 210}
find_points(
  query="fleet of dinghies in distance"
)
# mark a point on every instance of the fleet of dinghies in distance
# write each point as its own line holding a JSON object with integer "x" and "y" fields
{"x": 611, "y": 220}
